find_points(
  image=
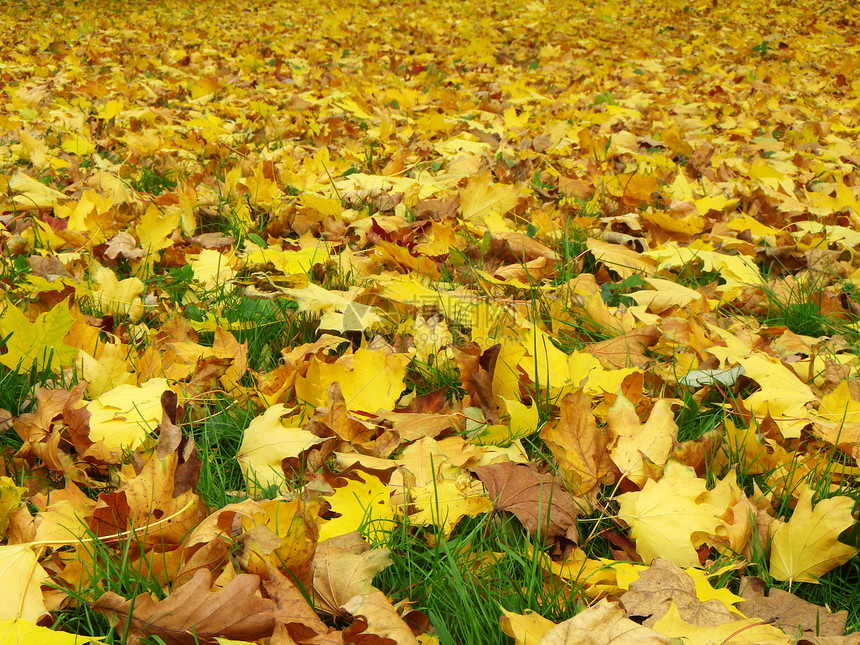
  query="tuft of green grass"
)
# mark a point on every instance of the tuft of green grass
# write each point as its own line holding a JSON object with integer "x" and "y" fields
{"x": 148, "y": 179}
{"x": 433, "y": 375}
{"x": 800, "y": 312}
{"x": 106, "y": 567}
{"x": 218, "y": 438}
{"x": 573, "y": 255}
{"x": 693, "y": 276}
{"x": 266, "y": 325}
{"x": 696, "y": 418}
{"x": 463, "y": 582}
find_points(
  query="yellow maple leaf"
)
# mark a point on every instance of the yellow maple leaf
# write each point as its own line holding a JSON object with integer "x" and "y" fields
{"x": 324, "y": 205}
{"x": 523, "y": 419}
{"x": 529, "y": 627}
{"x": 39, "y": 343}
{"x": 714, "y": 203}
{"x": 110, "y": 109}
{"x": 837, "y": 419}
{"x": 106, "y": 372}
{"x": 31, "y": 149}
{"x": 653, "y": 439}
{"x": 32, "y": 194}
{"x": 667, "y": 518}
{"x": 340, "y": 311}
{"x": 61, "y": 523}
{"x": 481, "y": 198}
{"x": 154, "y": 227}
{"x": 10, "y": 499}
{"x": 807, "y": 546}
{"x": 823, "y": 204}
{"x": 665, "y": 294}
{"x": 546, "y": 365}
{"x": 21, "y": 579}
{"x": 361, "y": 504}
{"x": 77, "y": 145}
{"x": 117, "y": 296}
{"x": 782, "y": 395}
{"x": 737, "y": 271}
{"x": 213, "y": 269}
{"x": 747, "y": 630}
{"x": 124, "y": 416}
{"x": 266, "y": 442}
{"x": 444, "y": 503}
{"x": 84, "y": 214}
{"x": 15, "y": 631}
{"x": 290, "y": 262}
{"x": 369, "y": 380}
{"x": 617, "y": 257}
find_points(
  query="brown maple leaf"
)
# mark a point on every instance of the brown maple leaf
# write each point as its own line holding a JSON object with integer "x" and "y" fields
{"x": 528, "y": 494}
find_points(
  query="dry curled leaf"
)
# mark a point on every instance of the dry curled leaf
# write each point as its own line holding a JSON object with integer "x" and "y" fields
{"x": 664, "y": 583}
{"x": 194, "y": 611}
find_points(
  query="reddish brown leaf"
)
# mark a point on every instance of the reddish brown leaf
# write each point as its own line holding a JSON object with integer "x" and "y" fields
{"x": 195, "y": 612}
{"x": 519, "y": 489}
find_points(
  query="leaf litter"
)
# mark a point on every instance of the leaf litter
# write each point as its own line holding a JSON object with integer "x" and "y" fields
{"x": 589, "y": 266}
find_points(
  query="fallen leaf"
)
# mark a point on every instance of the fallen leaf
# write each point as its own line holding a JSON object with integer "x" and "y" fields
{"x": 602, "y": 624}
{"x": 526, "y": 628}
{"x": 662, "y": 584}
{"x": 752, "y": 631}
{"x": 579, "y": 446}
{"x": 788, "y": 612}
{"x": 634, "y": 442}
{"x": 36, "y": 344}
{"x": 807, "y": 546}
{"x": 667, "y": 518}
{"x": 267, "y": 442}
{"x": 539, "y": 501}
{"x": 23, "y": 577}
{"x": 381, "y": 618}
{"x": 194, "y": 611}
{"x": 15, "y": 631}
{"x": 344, "y": 567}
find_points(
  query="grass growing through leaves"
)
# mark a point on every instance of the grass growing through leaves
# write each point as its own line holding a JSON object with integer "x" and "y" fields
{"x": 462, "y": 582}
{"x": 485, "y": 178}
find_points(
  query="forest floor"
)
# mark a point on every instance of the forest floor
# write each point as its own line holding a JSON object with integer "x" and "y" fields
{"x": 458, "y": 322}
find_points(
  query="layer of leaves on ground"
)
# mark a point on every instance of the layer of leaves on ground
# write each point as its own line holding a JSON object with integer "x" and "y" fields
{"x": 303, "y": 301}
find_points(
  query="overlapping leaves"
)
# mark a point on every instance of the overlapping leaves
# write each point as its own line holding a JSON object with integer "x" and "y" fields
{"x": 590, "y": 261}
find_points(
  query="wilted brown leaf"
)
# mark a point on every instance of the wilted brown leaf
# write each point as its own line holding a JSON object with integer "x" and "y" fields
{"x": 651, "y": 595}
{"x": 578, "y": 445}
{"x": 540, "y": 501}
{"x": 788, "y": 612}
{"x": 602, "y": 624}
{"x": 193, "y": 612}
{"x": 343, "y": 568}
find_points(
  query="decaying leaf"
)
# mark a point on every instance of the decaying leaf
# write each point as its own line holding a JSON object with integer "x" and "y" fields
{"x": 539, "y": 501}
{"x": 193, "y": 611}
{"x": 788, "y": 612}
{"x": 579, "y": 446}
{"x": 602, "y": 624}
{"x": 651, "y": 595}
